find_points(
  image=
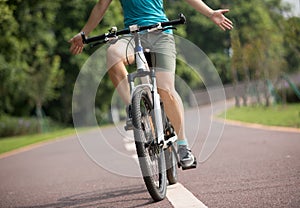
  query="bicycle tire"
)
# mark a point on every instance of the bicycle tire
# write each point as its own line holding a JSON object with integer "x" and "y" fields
{"x": 171, "y": 164}
{"x": 171, "y": 152}
{"x": 151, "y": 156}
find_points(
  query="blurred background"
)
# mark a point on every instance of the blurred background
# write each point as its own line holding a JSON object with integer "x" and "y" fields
{"x": 258, "y": 61}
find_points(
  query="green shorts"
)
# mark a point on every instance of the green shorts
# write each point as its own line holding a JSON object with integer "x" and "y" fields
{"x": 161, "y": 46}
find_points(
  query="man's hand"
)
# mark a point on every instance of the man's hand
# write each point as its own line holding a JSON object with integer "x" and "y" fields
{"x": 76, "y": 44}
{"x": 219, "y": 19}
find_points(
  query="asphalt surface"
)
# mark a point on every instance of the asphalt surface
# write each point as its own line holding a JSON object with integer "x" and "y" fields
{"x": 249, "y": 168}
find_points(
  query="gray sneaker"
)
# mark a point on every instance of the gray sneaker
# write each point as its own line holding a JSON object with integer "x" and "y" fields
{"x": 186, "y": 157}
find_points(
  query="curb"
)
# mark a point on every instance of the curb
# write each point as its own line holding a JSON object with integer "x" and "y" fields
{"x": 33, "y": 146}
{"x": 258, "y": 126}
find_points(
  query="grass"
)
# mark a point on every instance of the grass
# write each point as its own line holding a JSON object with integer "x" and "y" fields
{"x": 286, "y": 116}
{"x": 11, "y": 143}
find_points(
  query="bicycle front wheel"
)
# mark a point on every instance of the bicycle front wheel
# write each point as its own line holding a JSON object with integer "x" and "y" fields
{"x": 151, "y": 155}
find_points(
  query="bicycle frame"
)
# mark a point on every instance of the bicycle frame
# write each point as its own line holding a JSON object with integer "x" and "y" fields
{"x": 144, "y": 71}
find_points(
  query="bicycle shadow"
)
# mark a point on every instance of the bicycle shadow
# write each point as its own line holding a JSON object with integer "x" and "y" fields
{"x": 104, "y": 199}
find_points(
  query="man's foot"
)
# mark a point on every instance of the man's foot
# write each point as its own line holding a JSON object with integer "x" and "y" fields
{"x": 186, "y": 157}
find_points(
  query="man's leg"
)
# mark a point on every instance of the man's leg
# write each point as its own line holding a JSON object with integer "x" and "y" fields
{"x": 118, "y": 75}
{"x": 172, "y": 101}
{"x": 175, "y": 112}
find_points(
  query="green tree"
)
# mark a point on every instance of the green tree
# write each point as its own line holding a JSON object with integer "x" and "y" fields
{"x": 291, "y": 32}
{"x": 74, "y": 14}
{"x": 261, "y": 40}
{"x": 30, "y": 64}
{"x": 10, "y": 77}
{"x": 69, "y": 19}
{"x": 204, "y": 33}
{"x": 34, "y": 48}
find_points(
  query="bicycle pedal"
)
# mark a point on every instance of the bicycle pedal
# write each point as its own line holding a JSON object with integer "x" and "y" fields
{"x": 129, "y": 125}
{"x": 168, "y": 142}
{"x": 194, "y": 165}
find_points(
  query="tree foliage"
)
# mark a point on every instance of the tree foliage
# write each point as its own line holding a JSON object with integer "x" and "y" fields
{"x": 259, "y": 42}
{"x": 38, "y": 71}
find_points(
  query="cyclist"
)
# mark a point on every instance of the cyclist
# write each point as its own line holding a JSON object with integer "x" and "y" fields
{"x": 147, "y": 12}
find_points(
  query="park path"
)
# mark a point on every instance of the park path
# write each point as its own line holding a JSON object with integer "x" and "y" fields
{"x": 250, "y": 168}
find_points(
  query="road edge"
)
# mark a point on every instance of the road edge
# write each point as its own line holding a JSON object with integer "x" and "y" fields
{"x": 34, "y": 146}
{"x": 257, "y": 126}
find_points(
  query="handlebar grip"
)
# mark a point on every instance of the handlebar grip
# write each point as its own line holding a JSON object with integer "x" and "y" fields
{"x": 92, "y": 39}
{"x": 181, "y": 20}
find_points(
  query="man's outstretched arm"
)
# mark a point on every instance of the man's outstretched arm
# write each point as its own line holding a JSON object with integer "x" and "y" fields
{"x": 217, "y": 16}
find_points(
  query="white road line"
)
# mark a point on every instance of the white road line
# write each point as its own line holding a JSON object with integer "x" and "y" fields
{"x": 180, "y": 197}
{"x": 177, "y": 194}
{"x": 130, "y": 146}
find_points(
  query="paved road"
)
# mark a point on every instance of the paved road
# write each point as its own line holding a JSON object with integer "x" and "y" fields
{"x": 250, "y": 168}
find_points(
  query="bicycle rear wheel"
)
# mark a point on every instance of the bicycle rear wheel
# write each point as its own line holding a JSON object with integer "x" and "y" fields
{"x": 171, "y": 164}
{"x": 151, "y": 155}
{"x": 171, "y": 152}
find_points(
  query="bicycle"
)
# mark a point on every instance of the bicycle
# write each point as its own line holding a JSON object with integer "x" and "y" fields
{"x": 154, "y": 135}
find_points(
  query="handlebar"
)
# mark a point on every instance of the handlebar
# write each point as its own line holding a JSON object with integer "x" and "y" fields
{"x": 113, "y": 33}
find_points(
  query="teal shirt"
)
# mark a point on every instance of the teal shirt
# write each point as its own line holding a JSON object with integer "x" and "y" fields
{"x": 143, "y": 12}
